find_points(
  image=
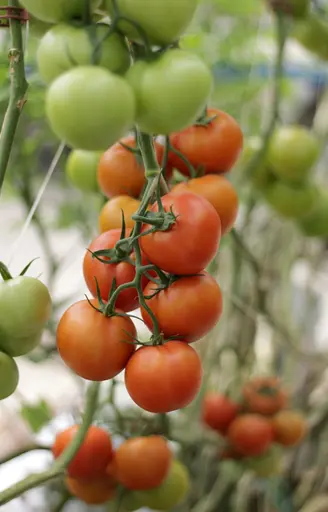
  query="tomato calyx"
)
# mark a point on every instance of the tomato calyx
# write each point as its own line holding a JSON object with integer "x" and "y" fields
{"x": 4, "y": 272}
{"x": 268, "y": 391}
{"x": 161, "y": 221}
{"x": 205, "y": 120}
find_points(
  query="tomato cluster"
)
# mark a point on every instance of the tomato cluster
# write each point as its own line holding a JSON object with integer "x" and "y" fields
{"x": 257, "y": 427}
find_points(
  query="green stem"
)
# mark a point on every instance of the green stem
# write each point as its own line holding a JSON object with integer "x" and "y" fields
{"x": 4, "y": 272}
{"x": 59, "y": 466}
{"x": 18, "y": 88}
{"x": 21, "y": 452}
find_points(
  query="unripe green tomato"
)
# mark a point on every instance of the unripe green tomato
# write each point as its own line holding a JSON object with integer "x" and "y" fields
{"x": 261, "y": 176}
{"x": 55, "y": 11}
{"x": 312, "y": 33}
{"x": 90, "y": 108}
{"x": 292, "y": 152}
{"x": 267, "y": 465}
{"x": 163, "y": 21}
{"x": 293, "y": 8}
{"x": 316, "y": 223}
{"x": 25, "y": 307}
{"x": 8, "y": 376}
{"x": 81, "y": 169}
{"x": 64, "y": 47}
{"x": 291, "y": 201}
{"x": 171, "y": 91}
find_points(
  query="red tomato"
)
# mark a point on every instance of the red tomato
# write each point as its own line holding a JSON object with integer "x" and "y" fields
{"x": 289, "y": 428}
{"x": 93, "y": 456}
{"x": 251, "y": 434}
{"x": 94, "y": 346}
{"x": 265, "y": 395}
{"x": 219, "y": 412}
{"x": 95, "y": 492}
{"x": 190, "y": 244}
{"x": 215, "y": 147}
{"x": 142, "y": 463}
{"x": 164, "y": 378}
{"x": 189, "y": 308}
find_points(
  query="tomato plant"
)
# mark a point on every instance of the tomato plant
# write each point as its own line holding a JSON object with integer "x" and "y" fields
{"x": 289, "y": 428}
{"x": 94, "y": 492}
{"x": 251, "y": 434}
{"x": 218, "y": 412}
{"x": 291, "y": 201}
{"x": 162, "y": 103}
{"x": 142, "y": 462}
{"x": 188, "y": 309}
{"x": 163, "y": 378}
{"x": 9, "y": 376}
{"x": 111, "y": 347}
{"x": 197, "y": 229}
{"x": 54, "y": 12}
{"x": 93, "y": 456}
{"x": 265, "y": 395}
{"x": 111, "y": 214}
{"x": 81, "y": 169}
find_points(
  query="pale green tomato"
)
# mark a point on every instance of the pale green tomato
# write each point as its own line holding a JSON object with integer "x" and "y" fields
{"x": 90, "y": 108}
{"x": 81, "y": 169}
{"x": 267, "y": 465}
{"x": 312, "y": 33}
{"x": 171, "y": 91}
{"x": 163, "y": 21}
{"x": 64, "y": 47}
{"x": 316, "y": 223}
{"x": 55, "y": 11}
{"x": 8, "y": 376}
{"x": 291, "y": 201}
{"x": 25, "y": 307}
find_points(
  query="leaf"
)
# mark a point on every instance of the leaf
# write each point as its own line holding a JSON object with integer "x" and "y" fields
{"x": 37, "y": 416}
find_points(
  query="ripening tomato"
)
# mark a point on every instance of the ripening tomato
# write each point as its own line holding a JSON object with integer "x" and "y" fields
{"x": 94, "y": 116}
{"x": 251, "y": 434}
{"x": 291, "y": 201}
{"x": 265, "y": 395}
{"x": 81, "y": 169}
{"x": 123, "y": 272}
{"x": 190, "y": 244}
{"x": 142, "y": 462}
{"x": 93, "y": 456}
{"x": 66, "y": 46}
{"x": 267, "y": 465}
{"x": 215, "y": 147}
{"x": 94, "y": 346}
{"x": 289, "y": 428}
{"x": 94, "y": 492}
{"x": 315, "y": 224}
{"x": 165, "y": 100}
{"x": 60, "y": 10}
{"x": 189, "y": 308}
{"x": 111, "y": 214}
{"x": 164, "y": 378}
{"x": 218, "y": 412}
{"x": 8, "y": 376}
{"x": 219, "y": 192}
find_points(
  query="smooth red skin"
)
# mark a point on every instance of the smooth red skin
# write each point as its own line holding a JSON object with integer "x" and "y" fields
{"x": 123, "y": 272}
{"x": 218, "y": 412}
{"x": 189, "y": 308}
{"x": 164, "y": 378}
{"x": 95, "y": 347}
{"x": 215, "y": 147}
{"x": 261, "y": 403}
{"x": 93, "y": 456}
{"x": 190, "y": 244}
{"x": 142, "y": 463}
{"x": 92, "y": 492}
{"x": 251, "y": 434}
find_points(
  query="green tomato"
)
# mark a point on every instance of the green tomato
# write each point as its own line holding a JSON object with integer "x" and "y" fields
{"x": 25, "y": 307}
{"x": 261, "y": 176}
{"x": 293, "y": 8}
{"x": 312, "y": 33}
{"x": 293, "y": 150}
{"x": 267, "y": 465}
{"x": 291, "y": 201}
{"x": 163, "y": 21}
{"x": 90, "y": 108}
{"x": 81, "y": 169}
{"x": 316, "y": 223}
{"x": 8, "y": 376}
{"x": 65, "y": 46}
{"x": 171, "y": 92}
{"x": 170, "y": 493}
{"x": 55, "y": 11}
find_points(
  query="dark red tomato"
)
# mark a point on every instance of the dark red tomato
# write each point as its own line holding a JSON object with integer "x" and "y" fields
{"x": 164, "y": 378}
{"x": 189, "y": 308}
{"x": 265, "y": 395}
{"x": 219, "y": 412}
{"x": 190, "y": 244}
{"x": 251, "y": 434}
{"x": 93, "y": 456}
{"x": 215, "y": 147}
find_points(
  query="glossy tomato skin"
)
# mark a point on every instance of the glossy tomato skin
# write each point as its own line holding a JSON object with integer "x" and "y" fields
{"x": 25, "y": 308}
{"x": 111, "y": 347}
{"x": 55, "y": 12}
{"x": 9, "y": 376}
{"x": 94, "y": 492}
{"x": 163, "y": 106}
{"x": 219, "y": 192}
{"x": 265, "y": 395}
{"x": 92, "y": 458}
{"x": 81, "y": 169}
{"x": 215, "y": 147}
{"x": 164, "y": 378}
{"x": 289, "y": 428}
{"x": 218, "y": 412}
{"x": 111, "y": 214}
{"x": 189, "y": 308}
{"x": 251, "y": 434}
{"x": 190, "y": 244}
{"x": 94, "y": 116}
{"x": 142, "y": 463}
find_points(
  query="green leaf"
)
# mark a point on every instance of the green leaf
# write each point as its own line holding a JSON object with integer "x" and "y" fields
{"x": 37, "y": 416}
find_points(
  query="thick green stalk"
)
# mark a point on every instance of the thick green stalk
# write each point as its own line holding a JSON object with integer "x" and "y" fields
{"x": 18, "y": 89}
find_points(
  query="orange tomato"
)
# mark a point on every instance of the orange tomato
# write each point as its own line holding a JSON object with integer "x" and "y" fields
{"x": 265, "y": 395}
{"x": 289, "y": 428}
{"x": 111, "y": 214}
{"x": 94, "y": 492}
